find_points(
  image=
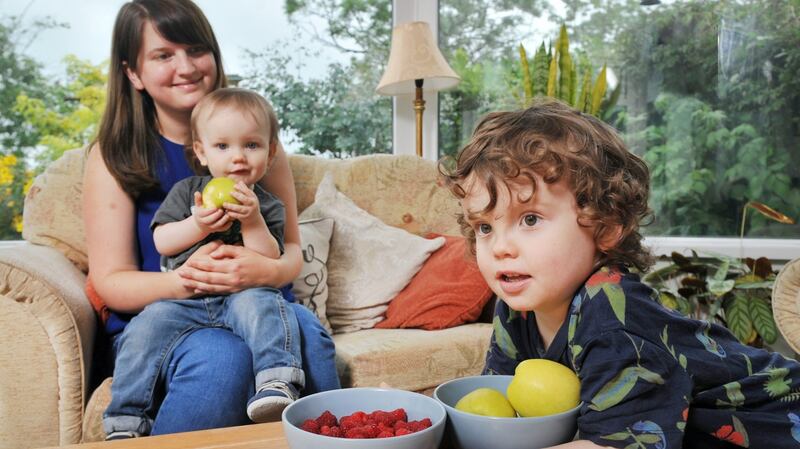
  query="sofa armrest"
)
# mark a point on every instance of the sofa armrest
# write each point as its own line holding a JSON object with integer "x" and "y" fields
{"x": 47, "y": 327}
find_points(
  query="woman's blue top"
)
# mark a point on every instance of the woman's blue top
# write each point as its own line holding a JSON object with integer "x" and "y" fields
{"x": 170, "y": 169}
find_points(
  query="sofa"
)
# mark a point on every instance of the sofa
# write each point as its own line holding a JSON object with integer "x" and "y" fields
{"x": 48, "y": 326}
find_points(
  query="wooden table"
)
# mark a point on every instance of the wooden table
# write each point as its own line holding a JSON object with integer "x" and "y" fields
{"x": 254, "y": 436}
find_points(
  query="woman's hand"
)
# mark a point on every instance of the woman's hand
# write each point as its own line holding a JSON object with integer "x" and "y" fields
{"x": 222, "y": 269}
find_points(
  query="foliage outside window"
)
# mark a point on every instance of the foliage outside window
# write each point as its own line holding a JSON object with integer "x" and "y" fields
{"x": 337, "y": 115}
{"x": 709, "y": 95}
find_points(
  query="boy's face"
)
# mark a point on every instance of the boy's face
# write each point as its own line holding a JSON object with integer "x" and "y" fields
{"x": 533, "y": 254}
{"x": 233, "y": 144}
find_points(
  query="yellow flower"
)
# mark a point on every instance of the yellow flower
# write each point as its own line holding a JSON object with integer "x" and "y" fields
{"x": 18, "y": 223}
{"x": 7, "y": 164}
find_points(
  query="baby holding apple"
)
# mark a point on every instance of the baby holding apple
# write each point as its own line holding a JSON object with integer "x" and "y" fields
{"x": 234, "y": 133}
{"x": 551, "y": 204}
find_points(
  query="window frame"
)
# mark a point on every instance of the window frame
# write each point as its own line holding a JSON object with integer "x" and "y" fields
{"x": 403, "y": 131}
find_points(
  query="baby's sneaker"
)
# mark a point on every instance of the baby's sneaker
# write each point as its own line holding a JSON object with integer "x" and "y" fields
{"x": 270, "y": 400}
{"x": 122, "y": 435}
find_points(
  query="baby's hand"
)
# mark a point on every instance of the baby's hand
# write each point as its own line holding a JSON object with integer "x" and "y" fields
{"x": 248, "y": 210}
{"x": 209, "y": 220}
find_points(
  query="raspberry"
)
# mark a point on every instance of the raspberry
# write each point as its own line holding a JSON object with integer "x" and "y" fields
{"x": 310, "y": 425}
{"x": 349, "y": 422}
{"x": 361, "y": 425}
{"x": 355, "y": 433}
{"x": 399, "y": 414}
{"x": 327, "y": 419}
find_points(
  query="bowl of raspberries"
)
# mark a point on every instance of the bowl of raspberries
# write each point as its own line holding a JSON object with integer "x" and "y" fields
{"x": 377, "y": 418}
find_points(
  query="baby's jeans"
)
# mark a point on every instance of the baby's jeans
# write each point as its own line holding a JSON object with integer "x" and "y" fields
{"x": 260, "y": 316}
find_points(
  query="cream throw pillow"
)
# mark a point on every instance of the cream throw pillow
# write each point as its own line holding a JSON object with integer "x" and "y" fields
{"x": 369, "y": 263}
{"x": 311, "y": 286}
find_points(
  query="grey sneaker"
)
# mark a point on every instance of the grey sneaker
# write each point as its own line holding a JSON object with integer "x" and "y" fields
{"x": 270, "y": 400}
{"x": 122, "y": 435}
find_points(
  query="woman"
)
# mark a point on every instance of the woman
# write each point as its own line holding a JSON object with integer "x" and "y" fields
{"x": 164, "y": 59}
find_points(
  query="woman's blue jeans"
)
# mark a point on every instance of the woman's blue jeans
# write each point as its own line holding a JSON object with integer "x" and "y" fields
{"x": 208, "y": 378}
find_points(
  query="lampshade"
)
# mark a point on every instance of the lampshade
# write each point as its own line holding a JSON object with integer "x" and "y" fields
{"x": 414, "y": 55}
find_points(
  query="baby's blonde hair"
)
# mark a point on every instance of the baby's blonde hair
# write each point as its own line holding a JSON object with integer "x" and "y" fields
{"x": 241, "y": 100}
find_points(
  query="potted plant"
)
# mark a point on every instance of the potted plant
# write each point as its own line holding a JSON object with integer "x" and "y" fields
{"x": 726, "y": 290}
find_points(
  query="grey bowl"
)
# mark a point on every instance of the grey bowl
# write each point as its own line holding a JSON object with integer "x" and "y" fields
{"x": 470, "y": 431}
{"x": 349, "y": 400}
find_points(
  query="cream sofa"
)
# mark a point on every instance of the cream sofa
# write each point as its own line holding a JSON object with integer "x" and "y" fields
{"x": 48, "y": 327}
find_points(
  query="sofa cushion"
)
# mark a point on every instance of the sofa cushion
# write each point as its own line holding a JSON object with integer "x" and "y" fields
{"x": 448, "y": 290}
{"x": 369, "y": 262}
{"x": 401, "y": 191}
{"x": 52, "y": 212}
{"x": 411, "y": 359}
{"x": 310, "y": 288}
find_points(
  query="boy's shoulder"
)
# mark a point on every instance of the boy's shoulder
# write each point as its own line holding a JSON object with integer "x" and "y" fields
{"x": 614, "y": 298}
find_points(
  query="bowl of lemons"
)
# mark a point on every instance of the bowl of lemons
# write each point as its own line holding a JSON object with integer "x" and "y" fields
{"x": 536, "y": 407}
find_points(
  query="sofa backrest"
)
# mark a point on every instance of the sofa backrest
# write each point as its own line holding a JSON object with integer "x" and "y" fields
{"x": 402, "y": 191}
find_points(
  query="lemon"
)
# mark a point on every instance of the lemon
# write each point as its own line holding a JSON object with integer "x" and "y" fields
{"x": 217, "y": 192}
{"x": 486, "y": 402}
{"x": 542, "y": 387}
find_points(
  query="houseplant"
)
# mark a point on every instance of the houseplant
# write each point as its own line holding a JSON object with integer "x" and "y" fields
{"x": 726, "y": 290}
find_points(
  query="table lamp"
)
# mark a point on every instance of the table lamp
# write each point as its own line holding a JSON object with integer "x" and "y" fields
{"x": 413, "y": 60}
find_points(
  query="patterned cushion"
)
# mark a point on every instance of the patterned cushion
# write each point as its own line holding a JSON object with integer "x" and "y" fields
{"x": 310, "y": 288}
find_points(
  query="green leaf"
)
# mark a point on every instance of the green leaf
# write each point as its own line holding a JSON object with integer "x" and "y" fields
{"x": 737, "y": 314}
{"x": 734, "y": 392}
{"x": 763, "y": 321}
{"x": 552, "y": 77}
{"x": 619, "y": 436}
{"x": 503, "y": 339}
{"x": 682, "y": 360}
{"x": 616, "y": 389}
{"x": 648, "y": 438}
{"x": 719, "y": 288}
{"x": 649, "y": 376}
{"x": 617, "y": 299}
{"x": 599, "y": 91}
{"x": 527, "y": 84}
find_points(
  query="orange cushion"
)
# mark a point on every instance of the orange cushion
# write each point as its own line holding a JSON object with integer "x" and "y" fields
{"x": 96, "y": 301}
{"x": 447, "y": 291}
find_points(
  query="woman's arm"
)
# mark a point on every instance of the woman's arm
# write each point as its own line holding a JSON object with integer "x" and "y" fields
{"x": 279, "y": 181}
{"x": 109, "y": 219}
{"x": 228, "y": 267}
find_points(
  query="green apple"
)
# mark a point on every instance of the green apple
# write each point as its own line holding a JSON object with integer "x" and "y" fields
{"x": 542, "y": 387}
{"x": 217, "y": 192}
{"x": 486, "y": 402}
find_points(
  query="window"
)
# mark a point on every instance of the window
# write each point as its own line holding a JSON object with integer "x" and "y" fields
{"x": 317, "y": 61}
{"x": 706, "y": 92}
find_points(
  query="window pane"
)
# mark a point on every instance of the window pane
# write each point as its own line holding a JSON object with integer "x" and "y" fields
{"x": 707, "y": 92}
{"x": 317, "y": 61}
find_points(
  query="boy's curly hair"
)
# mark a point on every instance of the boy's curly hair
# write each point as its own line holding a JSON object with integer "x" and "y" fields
{"x": 611, "y": 184}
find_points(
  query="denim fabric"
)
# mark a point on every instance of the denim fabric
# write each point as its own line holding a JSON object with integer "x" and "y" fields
{"x": 207, "y": 381}
{"x": 319, "y": 352}
{"x": 259, "y": 316}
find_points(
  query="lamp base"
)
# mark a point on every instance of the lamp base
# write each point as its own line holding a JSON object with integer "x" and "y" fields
{"x": 419, "y": 108}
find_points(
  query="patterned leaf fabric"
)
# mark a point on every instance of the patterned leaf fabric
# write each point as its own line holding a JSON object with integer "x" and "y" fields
{"x": 651, "y": 378}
